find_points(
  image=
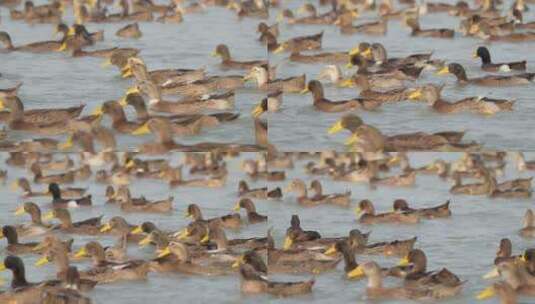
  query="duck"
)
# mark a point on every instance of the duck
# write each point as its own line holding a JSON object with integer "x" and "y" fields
{"x": 13, "y": 245}
{"x": 380, "y": 57}
{"x": 502, "y": 290}
{"x": 385, "y": 96}
{"x": 231, "y": 221}
{"x": 59, "y": 202}
{"x": 131, "y": 31}
{"x": 252, "y": 216}
{"x": 35, "y": 47}
{"x": 366, "y": 213}
{"x": 481, "y": 105}
{"x": 228, "y": 63}
{"x": 345, "y": 24}
{"x": 260, "y": 74}
{"x": 325, "y": 105}
{"x": 489, "y": 80}
{"x": 326, "y": 57}
{"x": 70, "y": 293}
{"x": 301, "y": 43}
{"x": 342, "y": 199}
{"x": 104, "y": 271}
{"x": 255, "y": 172}
{"x": 442, "y": 282}
{"x": 41, "y": 116}
{"x": 516, "y": 274}
{"x": 528, "y": 229}
{"x": 303, "y": 199}
{"x": 518, "y": 20}
{"x": 117, "y": 225}
{"x": 402, "y": 72}
{"x": 36, "y": 226}
{"x": 263, "y": 29}
{"x": 88, "y": 227}
{"x": 416, "y": 31}
{"x": 260, "y": 193}
{"x": 488, "y": 66}
{"x": 253, "y": 282}
{"x": 521, "y": 163}
{"x": 296, "y": 234}
{"x": 370, "y": 138}
{"x": 440, "y": 211}
{"x": 487, "y": 186}
{"x": 375, "y": 289}
{"x": 11, "y": 91}
{"x": 177, "y": 257}
{"x": 24, "y": 185}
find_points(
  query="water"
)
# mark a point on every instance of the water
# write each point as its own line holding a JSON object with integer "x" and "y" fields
{"x": 465, "y": 243}
{"x": 299, "y": 127}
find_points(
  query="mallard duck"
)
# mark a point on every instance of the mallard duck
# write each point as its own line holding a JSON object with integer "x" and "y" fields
{"x": 341, "y": 199}
{"x": 325, "y": 105}
{"x": 251, "y": 168}
{"x": 36, "y": 227}
{"x": 252, "y": 216}
{"x": 302, "y": 43}
{"x": 118, "y": 225}
{"x": 414, "y": 25}
{"x": 228, "y": 63}
{"x": 287, "y": 85}
{"x": 24, "y": 185}
{"x": 232, "y": 221}
{"x": 367, "y": 92}
{"x": 13, "y": 245}
{"x": 489, "y": 80}
{"x": 263, "y": 28}
{"x": 402, "y": 72}
{"x": 487, "y": 186}
{"x": 366, "y": 213}
{"x": 70, "y": 293}
{"x": 252, "y": 282}
{"x": 528, "y": 229}
{"x": 41, "y": 116}
{"x": 59, "y": 202}
{"x": 327, "y": 57}
{"x": 515, "y": 273}
{"x": 296, "y": 234}
{"x": 483, "y": 105}
{"x": 89, "y": 226}
{"x": 487, "y": 64}
{"x": 375, "y": 289}
{"x": 370, "y": 139}
{"x": 519, "y": 20}
{"x": 443, "y": 283}
{"x": 61, "y": 178}
{"x": 299, "y": 187}
{"x": 439, "y": 211}
{"x": 35, "y": 47}
{"x": 261, "y": 193}
{"x": 177, "y": 257}
{"x": 313, "y": 16}
{"x": 129, "y": 31}
{"x": 160, "y": 206}
{"x": 345, "y": 23}
{"x": 380, "y": 57}
{"x": 104, "y": 271}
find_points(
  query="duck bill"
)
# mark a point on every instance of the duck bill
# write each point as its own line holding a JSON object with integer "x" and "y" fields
{"x": 355, "y": 273}
{"x": 132, "y": 90}
{"x": 81, "y": 253}
{"x": 205, "y": 239}
{"x": 278, "y": 50}
{"x": 71, "y": 31}
{"x": 474, "y": 55}
{"x": 487, "y": 293}
{"x": 257, "y": 111}
{"x": 288, "y": 242}
{"x": 367, "y": 54}
{"x": 63, "y": 47}
{"x": 164, "y": 252}
{"x": 137, "y": 230}
{"x": 183, "y": 234}
{"x": 238, "y": 262}
{"x": 106, "y": 63}
{"x": 105, "y": 228}
{"x": 48, "y": 216}
{"x": 358, "y": 211}
{"x": 354, "y": 51}
{"x": 144, "y": 242}
{"x": 98, "y": 111}
{"x": 143, "y": 130}
{"x": 67, "y": 144}
{"x": 39, "y": 247}
{"x": 236, "y": 207}
{"x": 304, "y": 91}
{"x": 19, "y": 211}
{"x": 445, "y": 70}
{"x": 416, "y": 95}
{"x": 2, "y": 267}
{"x": 404, "y": 261}
{"x": 491, "y": 274}
{"x": 331, "y": 251}
{"x": 2, "y": 106}
{"x": 353, "y": 139}
{"x": 336, "y": 127}
{"x": 126, "y": 72}
{"x": 214, "y": 54}
{"x": 42, "y": 261}
{"x": 347, "y": 83}
{"x": 122, "y": 102}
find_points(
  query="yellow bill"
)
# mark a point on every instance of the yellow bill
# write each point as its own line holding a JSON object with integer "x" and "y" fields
{"x": 165, "y": 252}
{"x": 355, "y": 273}
{"x": 336, "y": 127}
{"x": 42, "y": 261}
{"x": 143, "y": 130}
{"x": 19, "y": 211}
{"x": 487, "y": 293}
{"x": 288, "y": 242}
{"x": 105, "y": 228}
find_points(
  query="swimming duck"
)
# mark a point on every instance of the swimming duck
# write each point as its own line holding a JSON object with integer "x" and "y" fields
{"x": 36, "y": 226}
{"x": 161, "y": 206}
{"x": 261, "y": 76}
{"x": 263, "y": 29}
{"x": 231, "y": 221}
{"x": 414, "y": 25}
{"x": 10, "y": 92}
{"x": 70, "y": 293}
{"x": 401, "y": 72}
{"x": 61, "y": 178}
{"x": 299, "y": 187}
{"x": 89, "y": 226}
{"x": 35, "y": 47}
{"x": 380, "y": 57}
{"x": 488, "y": 185}
{"x": 104, "y": 271}
{"x": 228, "y": 63}
{"x": 302, "y": 43}
{"x": 41, "y": 116}
{"x": 345, "y": 23}
{"x": 518, "y": 20}
{"x": 439, "y": 211}
{"x": 487, "y": 64}
{"x": 443, "y": 283}
{"x": 13, "y": 245}
{"x": 261, "y": 193}
{"x": 252, "y": 216}
{"x": 483, "y": 105}
{"x": 370, "y": 139}
{"x": 252, "y": 282}
{"x": 325, "y": 105}
{"x": 503, "y": 290}
{"x": 255, "y": 172}
{"x": 119, "y": 226}
{"x": 131, "y": 31}
{"x": 528, "y": 229}
{"x": 489, "y": 80}
{"x": 327, "y": 57}
{"x": 368, "y": 92}
{"x": 366, "y": 213}
{"x": 521, "y": 163}
{"x": 59, "y": 202}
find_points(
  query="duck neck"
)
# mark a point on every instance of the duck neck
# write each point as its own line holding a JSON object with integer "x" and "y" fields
{"x": 528, "y": 220}
{"x": 99, "y": 257}
{"x": 36, "y": 217}
{"x": 66, "y": 222}
{"x": 12, "y": 238}
{"x": 62, "y": 261}
{"x": 485, "y": 58}
{"x": 262, "y": 77}
{"x": 19, "y": 277}
{"x": 349, "y": 259}
{"x": 17, "y": 110}
{"x": 375, "y": 281}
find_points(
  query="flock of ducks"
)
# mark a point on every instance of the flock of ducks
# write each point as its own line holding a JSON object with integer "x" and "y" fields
{"x": 202, "y": 247}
